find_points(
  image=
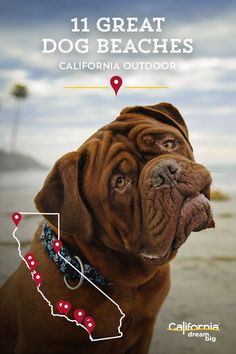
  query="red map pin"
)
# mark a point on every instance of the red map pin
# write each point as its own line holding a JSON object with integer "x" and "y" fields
{"x": 59, "y": 306}
{"x": 37, "y": 278}
{"x": 79, "y": 315}
{"x": 16, "y": 217}
{"x": 116, "y": 82}
{"x": 89, "y": 324}
{"x": 31, "y": 261}
{"x": 57, "y": 245}
{"x": 63, "y": 307}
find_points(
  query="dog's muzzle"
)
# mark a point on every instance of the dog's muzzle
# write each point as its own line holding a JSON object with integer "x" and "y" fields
{"x": 175, "y": 202}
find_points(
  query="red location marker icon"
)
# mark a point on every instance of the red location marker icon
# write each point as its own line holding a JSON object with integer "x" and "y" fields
{"x": 79, "y": 315}
{"x": 16, "y": 217}
{"x": 89, "y": 324}
{"x": 57, "y": 245}
{"x": 31, "y": 261}
{"x": 66, "y": 307}
{"x": 59, "y": 306}
{"x": 63, "y": 307}
{"x": 116, "y": 82}
{"x": 37, "y": 278}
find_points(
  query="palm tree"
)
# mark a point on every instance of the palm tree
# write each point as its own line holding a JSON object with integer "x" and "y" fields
{"x": 19, "y": 92}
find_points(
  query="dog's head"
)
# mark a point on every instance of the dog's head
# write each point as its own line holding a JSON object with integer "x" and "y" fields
{"x": 133, "y": 186}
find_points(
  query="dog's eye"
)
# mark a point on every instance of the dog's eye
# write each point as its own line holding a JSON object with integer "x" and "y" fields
{"x": 169, "y": 144}
{"x": 120, "y": 182}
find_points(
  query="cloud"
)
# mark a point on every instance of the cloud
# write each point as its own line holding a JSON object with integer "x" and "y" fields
{"x": 51, "y": 11}
{"x": 55, "y": 120}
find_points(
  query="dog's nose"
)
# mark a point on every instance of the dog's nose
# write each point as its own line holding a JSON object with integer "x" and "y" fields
{"x": 164, "y": 173}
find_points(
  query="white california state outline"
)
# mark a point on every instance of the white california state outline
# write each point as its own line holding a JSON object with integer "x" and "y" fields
{"x": 84, "y": 276}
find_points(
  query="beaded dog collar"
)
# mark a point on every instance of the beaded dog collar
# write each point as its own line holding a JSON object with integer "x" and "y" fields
{"x": 79, "y": 261}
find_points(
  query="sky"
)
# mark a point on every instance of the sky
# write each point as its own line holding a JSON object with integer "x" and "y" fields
{"x": 54, "y": 120}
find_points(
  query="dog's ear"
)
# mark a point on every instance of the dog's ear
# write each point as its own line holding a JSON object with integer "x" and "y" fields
{"x": 61, "y": 193}
{"x": 172, "y": 112}
{"x": 164, "y": 112}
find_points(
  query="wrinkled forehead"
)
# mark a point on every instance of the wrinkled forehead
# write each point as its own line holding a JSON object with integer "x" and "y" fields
{"x": 136, "y": 127}
{"x": 125, "y": 139}
{"x": 152, "y": 128}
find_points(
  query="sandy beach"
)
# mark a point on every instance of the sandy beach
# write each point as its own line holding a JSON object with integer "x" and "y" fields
{"x": 203, "y": 273}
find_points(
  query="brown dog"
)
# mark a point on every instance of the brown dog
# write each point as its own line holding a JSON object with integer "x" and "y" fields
{"x": 127, "y": 198}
